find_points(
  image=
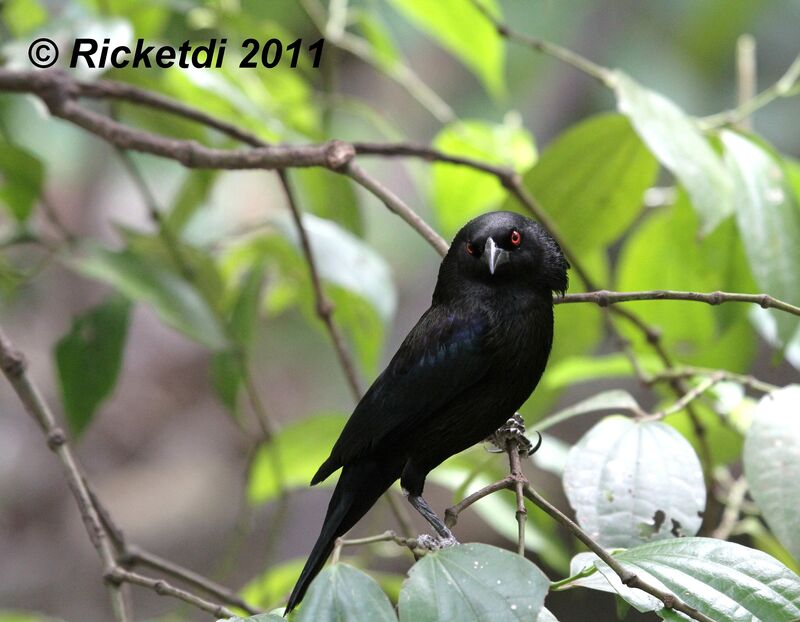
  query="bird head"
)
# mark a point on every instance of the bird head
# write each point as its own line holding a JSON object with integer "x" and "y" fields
{"x": 504, "y": 249}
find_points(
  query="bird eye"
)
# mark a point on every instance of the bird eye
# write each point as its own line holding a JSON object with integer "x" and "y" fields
{"x": 515, "y": 237}
{"x": 470, "y": 248}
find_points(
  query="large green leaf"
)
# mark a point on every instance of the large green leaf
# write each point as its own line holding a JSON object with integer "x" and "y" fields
{"x": 21, "y": 177}
{"x": 616, "y": 478}
{"x": 772, "y": 463}
{"x": 304, "y": 446}
{"x": 447, "y": 21}
{"x": 664, "y": 252}
{"x": 328, "y": 196}
{"x": 190, "y": 197}
{"x": 357, "y": 280}
{"x": 89, "y": 357}
{"x": 143, "y": 280}
{"x": 461, "y": 193}
{"x": 727, "y": 582}
{"x": 677, "y": 142}
{"x": 769, "y": 222}
{"x": 342, "y": 593}
{"x": 473, "y": 583}
{"x": 592, "y": 179}
{"x": 24, "y": 616}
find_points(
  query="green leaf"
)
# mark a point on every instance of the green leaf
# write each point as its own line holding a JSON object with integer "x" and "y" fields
{"x": 613, "y": 399}
{"x": 616, "y": 476}
{"x": 21, "y": 177}
{"x": 342, "y": 593}
{"x": 664, "y": 252}
{"x": 772, "y": 463}
{"x": 724, "y": 441}
{"x": 357, "y": 280}
{"x": 226, "y": 378}
{"x": 143, "y": 280}
{"x": 768, "y": 217}
{"x": 677, "y": 142}
{"x": 727, "y": 582}
{"x": 473, "y": 583}
{"x": 331, "y": 197}
{"x": 592, "y": 179}
{"x": 191, "y": 196}
{"x": 22, "y": 17}
{"x": 447, "y": 21}
{"x": 460, "y": 193}
{"x": 88, "y": 359}
{"x": 384, "y": 50}
{"x": 304, "y": 445}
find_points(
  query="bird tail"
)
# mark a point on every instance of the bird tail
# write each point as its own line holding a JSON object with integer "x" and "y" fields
{"x": 360, "y": 485}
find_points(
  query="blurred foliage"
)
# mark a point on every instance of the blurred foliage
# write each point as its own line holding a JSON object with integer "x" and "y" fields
{"x": 643, "y": 193}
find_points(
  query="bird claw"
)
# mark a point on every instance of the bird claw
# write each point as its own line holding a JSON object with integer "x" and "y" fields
{"x": 433, "y": 543}
{"x": 513, "y": 430}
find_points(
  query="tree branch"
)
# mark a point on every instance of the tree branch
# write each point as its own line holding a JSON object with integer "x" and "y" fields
{"x": 14, "y": 367}
{"x": 604, "y": 298}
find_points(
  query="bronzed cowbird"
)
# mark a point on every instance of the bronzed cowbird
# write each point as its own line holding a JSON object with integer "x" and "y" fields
{"x": 470, "y": 362}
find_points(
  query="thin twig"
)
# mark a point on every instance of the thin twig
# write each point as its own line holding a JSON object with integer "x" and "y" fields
{"x": 569, "y": 57}
{"x": 603, "y": 298}
{"x": 515, "y": 466}
{"x": 451, "y": 514}
{"x": 397, "y": 206}
{"x": 118, "y": 576}
{"x": 323, "y": 306}
{"x": 733, "y": 507}
{"x": 751, "y": 382}
{"x": 14, "y": 367}
{"x": 687, "y": 398}
{"x": 746, "y": 80}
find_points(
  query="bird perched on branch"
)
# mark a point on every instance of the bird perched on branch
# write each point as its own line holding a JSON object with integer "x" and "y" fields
{"x": 470, "y": 362}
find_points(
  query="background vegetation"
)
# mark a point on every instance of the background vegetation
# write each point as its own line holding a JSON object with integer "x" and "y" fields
{"x": 201, "y": 365}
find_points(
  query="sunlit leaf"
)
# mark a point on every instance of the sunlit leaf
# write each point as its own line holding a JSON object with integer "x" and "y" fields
{"x": 664, "y": 252}
{"x": 616, "y": 476}
{"x": 447, "y": 21}
{"x": 460, "y": 193}
{"x": 772, "y": 463}
{"x": 677, "y": 142}
{"x": 303, "y": 445}
{"x": 143, "y": 280}
{"x": 473, "y": 583}
{"x": 592, "y": 179}
{"x": 89, "y": 358}
{"x": 575, "y": 369}
{"x": 769, "y": 222}
{"x": 21, "y": 177}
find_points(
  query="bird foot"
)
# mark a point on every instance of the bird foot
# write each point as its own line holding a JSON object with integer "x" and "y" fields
{"x": 433, "y": 543}
{"x": 512, "y": 430}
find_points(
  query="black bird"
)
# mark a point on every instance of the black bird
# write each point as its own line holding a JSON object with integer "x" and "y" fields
{"x": 469, "y": 363}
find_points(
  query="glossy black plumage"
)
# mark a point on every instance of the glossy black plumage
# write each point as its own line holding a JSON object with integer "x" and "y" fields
{"x": 468, "y": 364}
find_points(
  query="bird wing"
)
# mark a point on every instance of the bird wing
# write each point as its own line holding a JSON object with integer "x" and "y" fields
{"x": 441, "y": 357}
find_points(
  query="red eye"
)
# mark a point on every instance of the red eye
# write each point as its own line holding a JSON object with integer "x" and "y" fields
{"x": 516, "y": 238}
{"x": 470, "y": 248}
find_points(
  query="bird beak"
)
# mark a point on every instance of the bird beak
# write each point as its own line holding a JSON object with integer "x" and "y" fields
{"x": 493, "y": 255}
